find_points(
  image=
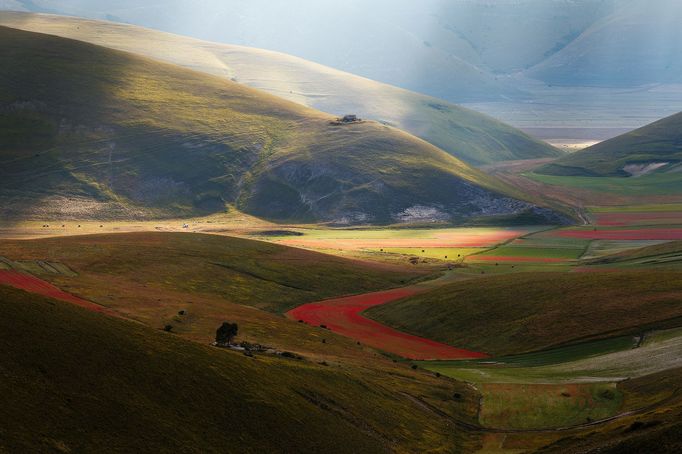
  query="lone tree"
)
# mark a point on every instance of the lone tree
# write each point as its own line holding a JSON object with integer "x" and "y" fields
{"x": 226, "y": 333}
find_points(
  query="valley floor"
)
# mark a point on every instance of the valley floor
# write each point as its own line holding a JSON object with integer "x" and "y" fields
{"x": 532, "y": 398}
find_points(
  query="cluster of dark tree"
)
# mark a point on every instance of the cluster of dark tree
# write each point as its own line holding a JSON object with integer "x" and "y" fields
{"x": 226, "y": 333}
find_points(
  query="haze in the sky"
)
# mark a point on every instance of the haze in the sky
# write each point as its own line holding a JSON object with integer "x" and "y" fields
{"x": 600, "y": 65}
{"x": 456, "y": 49}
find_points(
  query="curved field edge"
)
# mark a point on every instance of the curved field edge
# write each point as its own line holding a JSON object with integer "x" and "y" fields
{"x": 344, "y": 316}
{"x": 56, "y": 354}
{"x": 556, "y": 309}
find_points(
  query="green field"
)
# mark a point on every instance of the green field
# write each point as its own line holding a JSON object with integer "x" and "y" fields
{"x": 513, "y": 406}
{"x": 648, "y": 208}
{"x": 567, "y": 253}
{"x": 649, "y": 185}
{"x": 441, "y": 253}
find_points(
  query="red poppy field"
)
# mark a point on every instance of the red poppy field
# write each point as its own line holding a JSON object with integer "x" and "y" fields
{"x": 344, "y": 316}
{"x": 32, "y": 284}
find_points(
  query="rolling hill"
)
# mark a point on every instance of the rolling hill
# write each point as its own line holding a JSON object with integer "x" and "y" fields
{"x": 555, "y": 309}
{"x": 655, "y": 148}
{"x": 92, "y": 132}
{"x": 252, "y": 273}
{"x": 472, "y": 137}
{"x": 454, "y": 50}
{"x": 84, "y": 382}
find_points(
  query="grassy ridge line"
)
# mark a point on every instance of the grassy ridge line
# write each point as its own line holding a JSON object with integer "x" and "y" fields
{"x": 555, "y": 309}
{"x": 164, "y": 394}
{"x": 129, "y": 134}
{"x": 468, "y": 135}
{"x": 658, "y": 142}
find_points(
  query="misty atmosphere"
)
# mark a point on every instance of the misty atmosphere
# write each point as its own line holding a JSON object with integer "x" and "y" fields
{"x": 314, "y": 226}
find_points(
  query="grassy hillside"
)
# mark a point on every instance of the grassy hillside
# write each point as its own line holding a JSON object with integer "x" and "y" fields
{"x": 83, "y": 382}
{"x": 467, "y": 135}
{"x": 666, "y": 254}
{"x": 253, "y": 273}
{"x": 123, "y": 136}
{"x": 655, "y": 148}
{"x": 549, "y": 309}
{"x": 194, "y": 282}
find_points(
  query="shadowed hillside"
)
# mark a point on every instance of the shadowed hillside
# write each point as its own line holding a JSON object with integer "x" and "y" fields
{"x": 89, "y": 131}
{"x": 83, "y": 382}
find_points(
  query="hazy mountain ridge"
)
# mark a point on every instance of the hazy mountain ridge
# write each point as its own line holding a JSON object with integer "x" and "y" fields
{"x": 431, "y": 47}
{"x": 467, "y": 135}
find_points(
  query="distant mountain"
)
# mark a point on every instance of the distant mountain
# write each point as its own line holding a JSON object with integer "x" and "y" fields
{"x": 655, "y": 148}
{"x": 87, "y": 131}
{"x": 455, "y": 50}
{"x": 459, "y": 50}
{"x": 467, "y": 135}
{"x": 640, "y": 43}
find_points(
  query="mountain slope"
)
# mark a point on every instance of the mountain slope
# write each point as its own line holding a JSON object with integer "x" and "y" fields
{"x": 372, "y": 39}
{"x": 454, "y": 50}
{"x": 639, "y": 43}
{"x": 84, "y": 382}
{"x": 653, "y": 148}
{"x": 470, "y": 136}
{"x": 93, "y": 132}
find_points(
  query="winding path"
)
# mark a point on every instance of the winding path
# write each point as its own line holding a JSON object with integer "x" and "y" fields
{"x": 344, "y": 316}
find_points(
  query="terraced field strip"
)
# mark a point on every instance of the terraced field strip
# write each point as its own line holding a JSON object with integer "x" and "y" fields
{"x": 618, "y": 219}
{"x": 547, "y": 406}
{"x": 408, "y": 238}
{"x": 439, "y": 253}
{"x": 344, "y": 316}
{"x": 624, "y": 234}
{"x": 608, "y": 360}
{"x": 516, "y": 259}
{"x": 32, "y": 284}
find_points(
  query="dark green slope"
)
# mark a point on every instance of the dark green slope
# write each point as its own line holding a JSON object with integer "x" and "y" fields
{"x": 658, "y": 145}
{"x": 554, "y": 309}
{"x": 76, "y": 381}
